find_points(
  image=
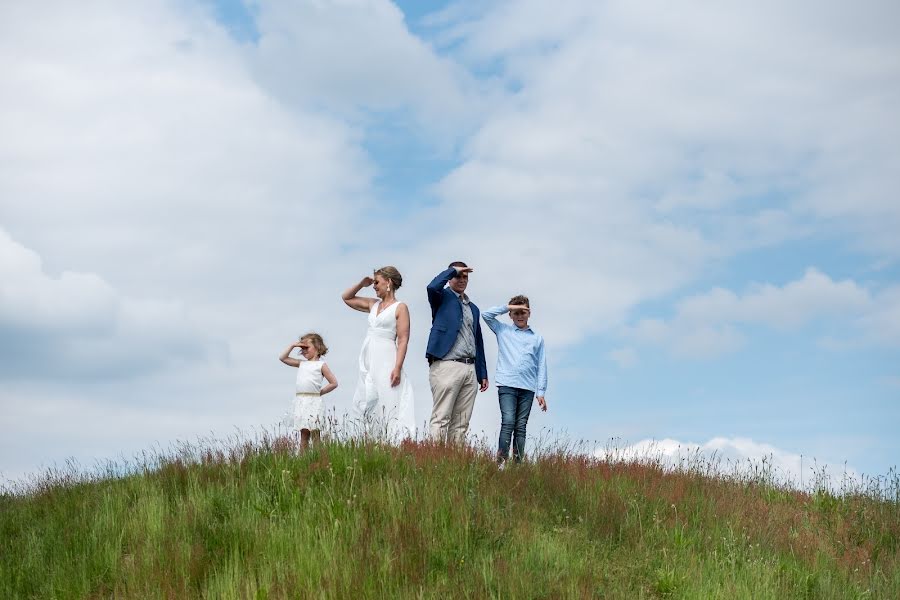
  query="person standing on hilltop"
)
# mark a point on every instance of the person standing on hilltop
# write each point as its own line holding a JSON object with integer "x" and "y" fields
{"x": 521, "y": 373}
{"x": 308, "y": 414}
{"x": 384, "y": 395}
{"x": 455, "y": 354}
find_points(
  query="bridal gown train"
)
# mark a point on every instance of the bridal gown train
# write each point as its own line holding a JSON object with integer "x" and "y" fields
{"x": 386, "y": 411}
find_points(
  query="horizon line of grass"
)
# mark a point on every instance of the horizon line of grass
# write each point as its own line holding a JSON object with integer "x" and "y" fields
{"x": 761, "y": 471}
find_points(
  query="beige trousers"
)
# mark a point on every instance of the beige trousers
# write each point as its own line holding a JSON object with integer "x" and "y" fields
{"x": 453, "y": 388}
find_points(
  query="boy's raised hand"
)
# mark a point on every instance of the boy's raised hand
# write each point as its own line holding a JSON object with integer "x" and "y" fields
{"x": 461, "y": 270}
{"x": 513, "y": 307}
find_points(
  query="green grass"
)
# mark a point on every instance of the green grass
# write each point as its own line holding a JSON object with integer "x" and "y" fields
{"x": 365, "y": 520}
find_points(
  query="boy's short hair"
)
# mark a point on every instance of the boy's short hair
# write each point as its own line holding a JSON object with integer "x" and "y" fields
{"x": 458, "y": 263}
{"x": 519, "y": 300}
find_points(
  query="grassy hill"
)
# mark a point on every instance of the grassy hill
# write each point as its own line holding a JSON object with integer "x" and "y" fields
{"x": 256, "y": 520}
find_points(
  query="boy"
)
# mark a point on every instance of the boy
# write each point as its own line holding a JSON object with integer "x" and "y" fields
{"x": 521, "y": 373}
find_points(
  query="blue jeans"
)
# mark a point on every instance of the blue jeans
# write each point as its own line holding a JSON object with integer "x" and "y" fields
{"x": 515, "y": 406}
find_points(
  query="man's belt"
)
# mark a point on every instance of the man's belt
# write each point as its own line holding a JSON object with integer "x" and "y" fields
{"x": 465, "y": 360}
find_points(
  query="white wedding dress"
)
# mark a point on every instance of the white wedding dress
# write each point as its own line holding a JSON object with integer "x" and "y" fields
{"x": 387, "y": 412}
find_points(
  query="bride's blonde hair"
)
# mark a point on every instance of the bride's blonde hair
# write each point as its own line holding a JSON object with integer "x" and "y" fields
{"x": 392, "y": 274}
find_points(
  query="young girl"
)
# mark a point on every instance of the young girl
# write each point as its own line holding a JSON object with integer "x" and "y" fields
{"x": 309, "y": 410}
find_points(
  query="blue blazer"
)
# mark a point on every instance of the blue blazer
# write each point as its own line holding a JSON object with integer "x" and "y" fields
{"x": 447, "y": 318}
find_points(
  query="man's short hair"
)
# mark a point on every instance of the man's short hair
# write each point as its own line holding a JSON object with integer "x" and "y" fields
{"x": 519, "y": 301}
{"x": 458, "y": 263}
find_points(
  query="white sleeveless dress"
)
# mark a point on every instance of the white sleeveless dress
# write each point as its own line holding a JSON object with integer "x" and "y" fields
{"x": 309, "y": 409}
{"x": 386, "y": 411}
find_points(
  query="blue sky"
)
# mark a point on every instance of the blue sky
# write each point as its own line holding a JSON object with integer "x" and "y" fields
{"x": 701, "y": 203}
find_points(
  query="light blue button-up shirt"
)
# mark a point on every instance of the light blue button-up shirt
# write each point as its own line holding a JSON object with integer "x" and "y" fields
{"x": 520, "y": 360}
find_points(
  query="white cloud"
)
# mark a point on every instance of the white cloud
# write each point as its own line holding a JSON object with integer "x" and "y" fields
{"x": 811, "y": 297}
{"x": 353, "y": 55}
{"x": 29, "y": 299}
{"x": 78, "y": 326}
{"x": 738, "y": 456}
{"x": 714, "y": 323}
{"x": 710, "y": 118}
{"x": 148, "y": 144}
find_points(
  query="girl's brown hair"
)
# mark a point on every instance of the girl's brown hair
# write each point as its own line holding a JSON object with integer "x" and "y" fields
{"x": 316, "y": 340}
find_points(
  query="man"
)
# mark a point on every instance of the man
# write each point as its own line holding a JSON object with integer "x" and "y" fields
{"x": 455, "y": 354}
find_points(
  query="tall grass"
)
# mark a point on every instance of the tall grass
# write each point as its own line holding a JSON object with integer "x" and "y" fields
{"x": 252, "y": 518}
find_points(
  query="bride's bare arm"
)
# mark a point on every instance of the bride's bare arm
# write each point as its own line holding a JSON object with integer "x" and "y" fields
{"x": 356, "y": 302}
{"x": 402, "y": 341}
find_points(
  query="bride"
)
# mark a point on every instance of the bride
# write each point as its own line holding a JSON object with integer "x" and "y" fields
{"x": 384, "y": 396}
